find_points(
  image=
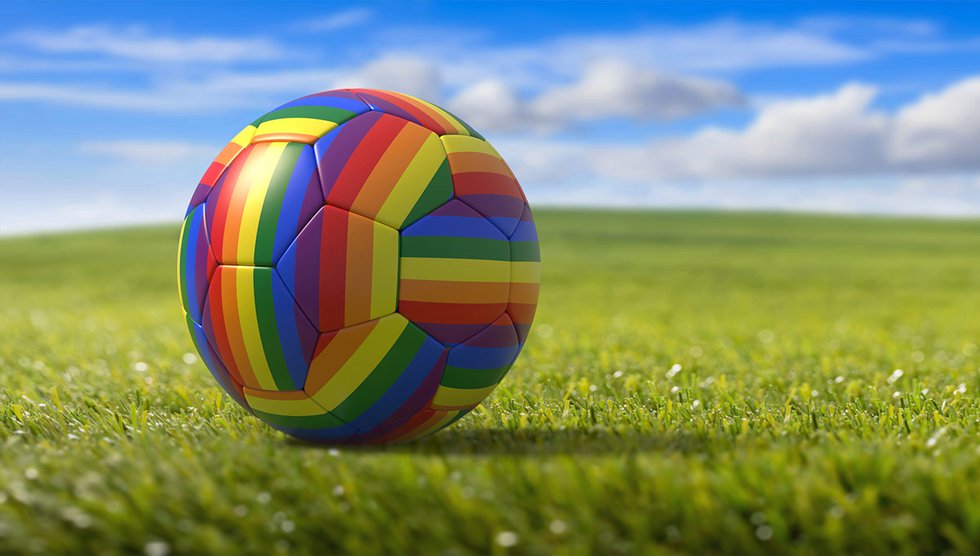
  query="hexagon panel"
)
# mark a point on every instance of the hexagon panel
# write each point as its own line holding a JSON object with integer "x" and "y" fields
{"x": 385, "y": 168}
{"x": 269, "y": 192}
{"x": 342, "y": 269}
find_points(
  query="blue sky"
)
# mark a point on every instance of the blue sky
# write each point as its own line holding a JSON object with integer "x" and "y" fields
{"x": 112, "y": 110}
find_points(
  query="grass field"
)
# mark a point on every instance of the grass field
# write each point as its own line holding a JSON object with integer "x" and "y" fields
{"x": 695, "y": 383}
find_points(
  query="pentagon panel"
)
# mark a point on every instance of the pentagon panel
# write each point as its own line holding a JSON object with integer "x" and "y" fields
{"x": 342, "y": 269}
{"x": 454, "y": 273}
{"x": 483, "y": 180}
{"x": 306, "y": 119}
{"x": 525, "y": 274}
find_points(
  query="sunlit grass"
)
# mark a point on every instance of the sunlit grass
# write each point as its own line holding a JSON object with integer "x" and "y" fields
{"x": 695, "y": 383}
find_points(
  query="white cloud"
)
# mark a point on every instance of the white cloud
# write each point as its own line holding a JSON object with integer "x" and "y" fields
{"x": 606, "y": 89}
{"x": 941, "y": 129}
{"x": 337, "y": 21}
{"x": 216, "y": 91}
{"x": 613, "y": 88}
{"x": 151, "y": 152}
{"x": 837, "y": 134}
{"x": 136, "y": 42}
{"x": 408, "y": 74}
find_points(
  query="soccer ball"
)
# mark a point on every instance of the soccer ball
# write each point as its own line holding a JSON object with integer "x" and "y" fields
{"x": 359, "y": 266}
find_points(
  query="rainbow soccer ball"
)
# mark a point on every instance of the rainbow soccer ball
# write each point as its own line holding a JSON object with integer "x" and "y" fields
{"x": 359, "y": 266}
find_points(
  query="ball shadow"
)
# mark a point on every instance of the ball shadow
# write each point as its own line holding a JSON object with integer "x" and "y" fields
{"x": 533, "y": 442}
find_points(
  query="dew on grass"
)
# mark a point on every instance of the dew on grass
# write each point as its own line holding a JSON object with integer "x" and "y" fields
{"x": 766, "y": 336}
{"x": 838, "y": 379}
{"x": 338, "y": 490}
{"x": 333, "y": 452}
{"x": 557, "y": 526}
{"x": 263, "y": 498}
{"x": 896, "y": 394}
{"x": 140, "y": 366}
{"x": 189, "y": 358}
{"x": 961, "y": 389}
{"x": 506, "y": 538}
{"x": 673, "y": 370}
{"x": 156, "y": 548}
{"x": 695, "y": 404}
{"x": 763, "y": 532}
{"x": 934, "y": 439}
{"x": 240, "y": 510}
{"x": 287, "y": 526}
{"x": 31, "y": 474}
{"x": 896, "y": 374}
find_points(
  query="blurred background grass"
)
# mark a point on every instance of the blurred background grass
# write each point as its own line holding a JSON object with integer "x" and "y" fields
{"x": 694, "y": 383}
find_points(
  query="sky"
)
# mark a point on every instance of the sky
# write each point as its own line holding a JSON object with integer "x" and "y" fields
{"x": 112, "y": 110}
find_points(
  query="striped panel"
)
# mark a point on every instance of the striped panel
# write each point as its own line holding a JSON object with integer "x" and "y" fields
{"x": 421, "y": 424}
{"x": 416, "y": 110}
{"x": 291, "y": 409}
{"x": 268, "y": 194}
{"x": 252, "y": 321}
{"x": 483, "y": 360}
{"x": 354, "y": 366}
{"x": 221, "y": 162}
{"x": 385, "y": 168}
{"x": 195, "y": 265}
{"x": 475, "y": 367}
{"x": 342, "y": 269}
{"x": 454, "y": 273}
{"x": 228, "y": 381}
{"x": 525, "y": 281}
{"x": 309, "y": 118}
{"x": 482, "y": 180}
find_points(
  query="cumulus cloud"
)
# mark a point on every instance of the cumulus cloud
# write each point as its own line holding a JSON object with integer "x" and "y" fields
{"x": 407, "y": 74}
{"x": 940, "y": 130}
{"x": 137, "y": 42}
{"x": 827, "y": 134}
{"x": 606, "y": 89}
{"x": 838, "y": 135}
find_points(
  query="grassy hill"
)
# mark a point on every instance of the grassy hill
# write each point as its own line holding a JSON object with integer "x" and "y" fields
{"x": 694, "y": 383}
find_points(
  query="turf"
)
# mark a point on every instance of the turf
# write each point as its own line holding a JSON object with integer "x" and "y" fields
{"x": 694, "y": 383}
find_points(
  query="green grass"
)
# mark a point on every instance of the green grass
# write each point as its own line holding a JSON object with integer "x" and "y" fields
{"x": 784, "y": 429}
